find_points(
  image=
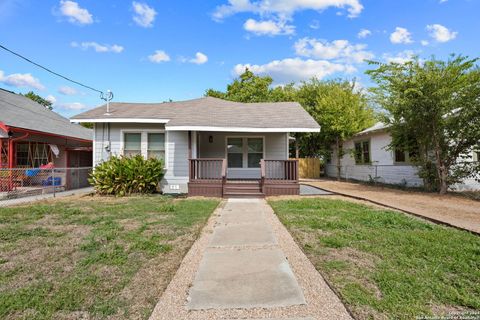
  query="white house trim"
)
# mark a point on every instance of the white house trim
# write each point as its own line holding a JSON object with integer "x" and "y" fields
{"x": 238, "y": 129}
{"x": 122, "y": 120}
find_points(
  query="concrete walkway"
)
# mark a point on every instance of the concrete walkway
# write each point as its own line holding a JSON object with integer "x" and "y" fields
{"x": 245, "y": 265}
{"x": 30, "y": 199}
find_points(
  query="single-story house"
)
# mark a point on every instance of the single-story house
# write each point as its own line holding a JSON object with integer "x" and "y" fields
{"x": 210, "y": 146}
{"x": 375, "y": 161}
{"x": 34, "y": 137}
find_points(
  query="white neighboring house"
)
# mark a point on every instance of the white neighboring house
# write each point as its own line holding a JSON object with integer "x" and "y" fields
{"x": 205, "y": 141}
{"x": 376, "y": 161}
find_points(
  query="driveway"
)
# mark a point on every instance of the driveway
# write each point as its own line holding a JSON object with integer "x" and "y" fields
{"x": 246, "y": 265}
{"x": 450, "y": 209}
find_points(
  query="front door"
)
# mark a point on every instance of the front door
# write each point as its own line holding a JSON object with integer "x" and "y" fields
{"x": 243, "y": 157}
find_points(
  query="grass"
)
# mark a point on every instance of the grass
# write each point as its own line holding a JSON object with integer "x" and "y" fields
{"x": 94, "y": 257}
{"x": 385, "y": 264}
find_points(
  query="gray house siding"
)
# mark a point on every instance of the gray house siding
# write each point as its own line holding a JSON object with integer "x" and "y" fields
{"x": 176, "y": 150}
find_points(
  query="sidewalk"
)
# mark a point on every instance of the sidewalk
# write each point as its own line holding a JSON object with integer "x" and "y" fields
{"x": 246, "y": 265}
{"x": 17, "y": 201}
{"x": 449, "y": 209}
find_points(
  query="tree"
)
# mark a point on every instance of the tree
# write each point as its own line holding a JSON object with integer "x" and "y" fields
{"x": 35, "y": 97}
{"x": 249, "y": 87}
{"x": 340, "y": 111}
{"x": 433, "y": 108}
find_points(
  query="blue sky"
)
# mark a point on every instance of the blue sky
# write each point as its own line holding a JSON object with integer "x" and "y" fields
{"x": 155, "y": 50}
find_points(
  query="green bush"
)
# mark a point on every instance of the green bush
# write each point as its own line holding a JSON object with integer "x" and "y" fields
{"x": 122, "y": 176}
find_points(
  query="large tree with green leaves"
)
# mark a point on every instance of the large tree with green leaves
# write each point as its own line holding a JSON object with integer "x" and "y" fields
{"x": 335, "y": 105}
{"x": 35, "y": 97}
{"x": 249, "y": 87}
{"x": 341, "y": 112}
{"x": 433, "y": 108}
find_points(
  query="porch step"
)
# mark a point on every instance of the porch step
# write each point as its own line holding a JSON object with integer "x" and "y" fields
{"x": 243, "y": 194}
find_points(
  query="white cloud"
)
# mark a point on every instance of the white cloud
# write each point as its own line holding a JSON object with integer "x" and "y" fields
{"x": 68, "y": 91}
{"x": 295, "y": 69}
{"x": 144, "y": 14}
{"x": 51, "y": 98}
{"x": 341, "y": 50}
{"x": 21, "y": 80}
{"x": 72, "y": 106}
{"x": 115, "y": 48}
{"x": 424, "y": 43}
{"x": 362, "y": 34}
{"x": 284, "y": 8}
{"x": 75, "y": 13}
{"x": 441, "y": 33}
{"x": 401, "y": 35}
{"x": 401, "y": 57}
{"x": 200, "y": 58}
{"x": 268, "y": 27}
{"x": 159, "y": 56}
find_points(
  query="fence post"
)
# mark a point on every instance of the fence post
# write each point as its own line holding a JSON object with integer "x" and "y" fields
{"x": 53, "y": 181}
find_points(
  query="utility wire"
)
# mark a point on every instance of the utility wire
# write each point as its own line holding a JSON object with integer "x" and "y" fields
{"x": 53, "y": 72}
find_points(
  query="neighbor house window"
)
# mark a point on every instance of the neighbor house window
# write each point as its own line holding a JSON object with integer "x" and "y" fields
{"x": 32, "y": 154}
{"x": 255, "y": 152}
{"x": 362, "y": 152}
{"x": 402, "y": 156}
{"x": 132, "y": 144}
{"x": 235, "y": 152}
{"x": 156, "y": 145}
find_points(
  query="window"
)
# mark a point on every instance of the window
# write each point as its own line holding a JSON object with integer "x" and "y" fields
{"x": 244, "y": 152}
{"x": 255, "y": 152}
{"x": 32, "y": 154}
{"x": 156, "y": 145}
{"x": 132, "y": 144}
{"x": 362, "y": 152}
{"x": 404, "y": 156}
{"x": 235, "y": 152}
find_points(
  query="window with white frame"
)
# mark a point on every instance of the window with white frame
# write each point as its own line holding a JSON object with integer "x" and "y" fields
{"x": 156, "y": 145}
{"x": 149, "y": 144}
{"x": 132, "y": 144}
{"x": 244, "y": 152}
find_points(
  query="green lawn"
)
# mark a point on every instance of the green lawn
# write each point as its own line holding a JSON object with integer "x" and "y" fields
{"x": 384, "y": 264}
{"x": 94, "y": 257}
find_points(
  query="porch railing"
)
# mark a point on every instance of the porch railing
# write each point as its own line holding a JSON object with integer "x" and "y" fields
{"x": 208, "y": 169}
{"x": 279, "y": 170}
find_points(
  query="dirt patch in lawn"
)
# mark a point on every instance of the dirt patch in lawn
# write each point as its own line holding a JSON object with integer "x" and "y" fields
{"x": 450, "y": 208}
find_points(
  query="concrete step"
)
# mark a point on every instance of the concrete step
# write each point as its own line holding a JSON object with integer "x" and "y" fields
{"x": 243, "y": 195}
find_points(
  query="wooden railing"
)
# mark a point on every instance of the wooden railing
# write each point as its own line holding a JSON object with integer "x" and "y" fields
{"x": 279, "y": 170}
{"x": 207, "y": 169}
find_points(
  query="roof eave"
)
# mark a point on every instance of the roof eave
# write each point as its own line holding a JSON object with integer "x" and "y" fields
{"x": 119, "y": 120}
{"x": 239, "y": 129}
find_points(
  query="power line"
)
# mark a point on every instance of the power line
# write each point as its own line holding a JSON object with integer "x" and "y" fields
{"x": 55, "y": 73}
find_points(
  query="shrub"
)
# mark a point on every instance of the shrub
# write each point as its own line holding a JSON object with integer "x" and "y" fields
{"x": 122, "y": 176}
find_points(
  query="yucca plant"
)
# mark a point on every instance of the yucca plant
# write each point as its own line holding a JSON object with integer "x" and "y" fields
{"x": 121, "y": 176}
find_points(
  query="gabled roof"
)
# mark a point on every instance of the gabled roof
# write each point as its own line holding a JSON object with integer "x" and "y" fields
{"x": 379, "y": 126}
{"x": 21, "y": 112}
{"x": 208, "y": 114}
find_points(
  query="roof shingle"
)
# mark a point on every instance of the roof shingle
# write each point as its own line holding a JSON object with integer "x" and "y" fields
{"x": 209, "y": 112}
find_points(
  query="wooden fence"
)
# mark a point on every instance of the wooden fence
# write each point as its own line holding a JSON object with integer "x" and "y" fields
{"x": 309, "y": 168}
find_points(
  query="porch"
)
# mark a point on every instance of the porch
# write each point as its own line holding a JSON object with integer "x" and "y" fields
{"x": 233, "y": 164}
{"x": 209, "y": 177}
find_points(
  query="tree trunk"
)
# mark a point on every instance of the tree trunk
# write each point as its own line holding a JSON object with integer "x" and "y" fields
{"x": 442, "y": 170}
{"x": 338, "y": 145}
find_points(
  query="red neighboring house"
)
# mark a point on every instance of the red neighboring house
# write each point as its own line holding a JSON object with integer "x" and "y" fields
{"x": 32, "y": 136}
